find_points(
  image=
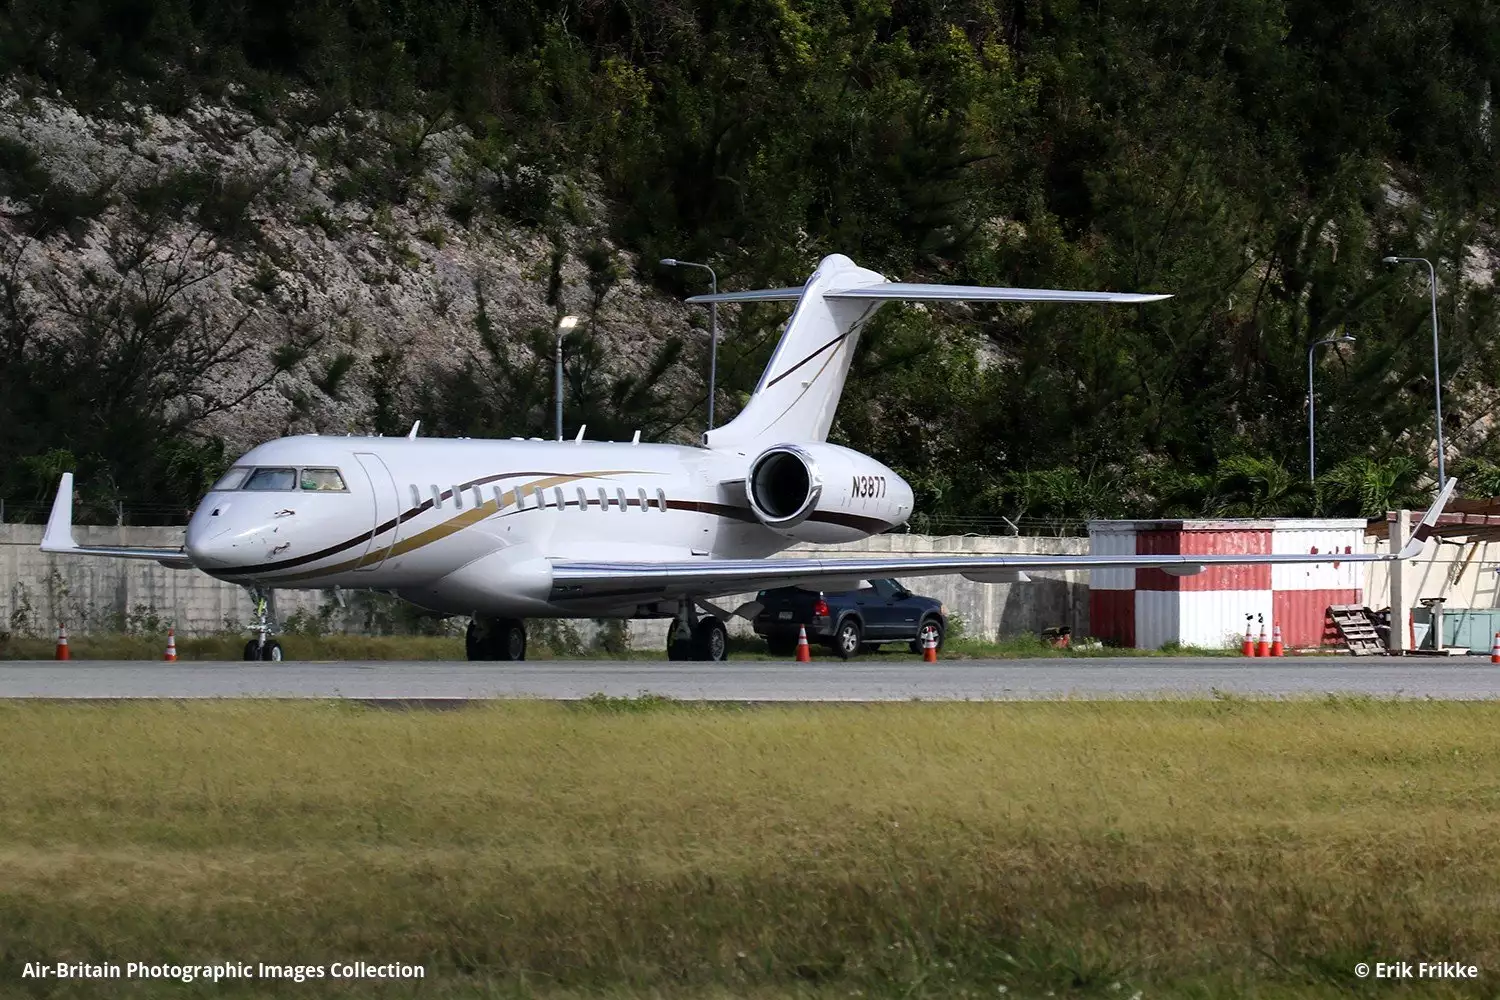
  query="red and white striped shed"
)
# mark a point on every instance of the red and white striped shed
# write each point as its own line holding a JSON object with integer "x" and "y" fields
{"x": 1146, "y": 608}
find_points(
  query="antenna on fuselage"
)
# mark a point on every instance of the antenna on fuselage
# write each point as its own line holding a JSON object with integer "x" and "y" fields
{"x": 412, "y": 436}
{"x": 579, "y": 438}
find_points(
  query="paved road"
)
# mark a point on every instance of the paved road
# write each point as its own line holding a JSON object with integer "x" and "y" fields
{"x": 1133, "y": 677}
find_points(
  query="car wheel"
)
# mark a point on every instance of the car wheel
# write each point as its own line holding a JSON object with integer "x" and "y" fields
{"x": 930, "y": 627}
{"x": 847, "y": 640}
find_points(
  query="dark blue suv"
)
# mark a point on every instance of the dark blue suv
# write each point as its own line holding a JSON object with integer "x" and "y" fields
{"x": 847, "y": 620}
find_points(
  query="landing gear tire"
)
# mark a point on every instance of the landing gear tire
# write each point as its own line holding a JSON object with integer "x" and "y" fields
{"x": 509, "y": 640}
{"x": 502, "y": 639}
{"x": 679, "y": 641}
{"x": 271, "y": 650}
{"x": 931, "y": 628}
{"x": 710, "y": 640}
{"x": 847, "y": 640}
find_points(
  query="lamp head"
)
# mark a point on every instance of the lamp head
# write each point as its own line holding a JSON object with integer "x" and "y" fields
{"x": 567, "y": 322}
{"x": 1391, "y": 260}
{"x": 669, "y": 262}
{"x": 1346, "y": 339}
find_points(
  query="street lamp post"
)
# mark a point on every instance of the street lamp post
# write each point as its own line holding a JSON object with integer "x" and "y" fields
{"x": 713, "y": 324}
{"x": 1437, "y": 374}
{"x": 563, "y": 326}
{"x": 1312, "y": 455}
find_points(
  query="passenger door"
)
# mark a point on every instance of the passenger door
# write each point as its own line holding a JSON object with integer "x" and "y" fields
{"x": 387, "y": 510}
{"x": 885, "y": 612}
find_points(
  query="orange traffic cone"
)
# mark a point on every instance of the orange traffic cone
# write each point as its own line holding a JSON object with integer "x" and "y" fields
{"x": 1247, "y": 648}
{"x": 804, "y": 654}
{"x": 929, "y": 650}
{"x": 1495, "y": 649}
{"x": 1276, "y": 647}
{"x": 171, "y": 646}
{"x": 62, "y": 643}
{"x": 1263, "y": 648}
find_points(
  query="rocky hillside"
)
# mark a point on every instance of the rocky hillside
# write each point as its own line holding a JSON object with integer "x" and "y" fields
{"x": 295, "y": 287}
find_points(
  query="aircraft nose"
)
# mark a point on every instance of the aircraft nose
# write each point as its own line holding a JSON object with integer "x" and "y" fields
{"x": 209, "y": 548}
{"x": 208, "y": 537}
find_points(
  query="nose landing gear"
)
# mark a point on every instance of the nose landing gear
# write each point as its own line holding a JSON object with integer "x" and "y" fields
{"x": 262, "y": 647}
{"x": 496, "y": 639}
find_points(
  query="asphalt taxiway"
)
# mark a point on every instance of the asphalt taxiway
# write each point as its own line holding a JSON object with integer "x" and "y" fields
{"x": 760, "y": 681}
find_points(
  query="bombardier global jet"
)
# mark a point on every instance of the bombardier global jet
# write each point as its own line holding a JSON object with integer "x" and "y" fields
{"x": 502, "y": 531}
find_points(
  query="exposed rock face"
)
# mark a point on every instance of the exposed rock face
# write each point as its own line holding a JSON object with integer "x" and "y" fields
{"x": 342, "y": 236}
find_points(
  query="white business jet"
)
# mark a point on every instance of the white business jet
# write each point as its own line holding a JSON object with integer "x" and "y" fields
{"x": 507, "y": 530}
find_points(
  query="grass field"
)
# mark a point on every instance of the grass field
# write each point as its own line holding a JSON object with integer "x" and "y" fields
{"x": 417, "y": 647}
{"x": 644, "y": 848}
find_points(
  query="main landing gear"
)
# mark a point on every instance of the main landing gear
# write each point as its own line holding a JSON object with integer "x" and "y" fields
{"x": 496, "y": 639}
{"x": 694, "y": 638}
{"x": 262, "y": 647}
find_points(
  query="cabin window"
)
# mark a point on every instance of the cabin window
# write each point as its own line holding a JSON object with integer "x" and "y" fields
{"x": 458, "y": 498}
{"x": 557, "y": 494}
{"x": 437, "y": 498}
{"x": 478, "y": 496}
{"x": 323, "y": 481}
{"x": 645, "y": 504}
{"x": 538, "y": 497}
{"x": 603, "y": 498}
{"x": 416, "y": 496}
{"x": 583, "y": 499}
{"x": 231, "y": 480}
{"x": 272, "y": 479}
{"x": 620, "y": 494}
{"x": 499, "y": 499}
{"x": 661, "y": 500}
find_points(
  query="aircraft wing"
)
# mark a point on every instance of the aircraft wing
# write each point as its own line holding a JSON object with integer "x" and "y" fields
{"x": 712, "y": 577}
{"x": 59, "y": 535}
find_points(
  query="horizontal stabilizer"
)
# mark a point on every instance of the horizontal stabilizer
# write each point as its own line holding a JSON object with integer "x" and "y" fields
{"x": 756, "y": 295}
{"x": 902, "y": 291}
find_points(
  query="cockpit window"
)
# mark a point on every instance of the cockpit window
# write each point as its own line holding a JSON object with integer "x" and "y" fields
{"x": 272, "y": 479}
{"x": 322, "y": 480}
{"x": 231, "y": 480}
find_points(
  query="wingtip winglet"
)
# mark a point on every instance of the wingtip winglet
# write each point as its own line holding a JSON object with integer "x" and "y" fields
{"x": 1423, "y": 530}
{"x": 59, "y": 534}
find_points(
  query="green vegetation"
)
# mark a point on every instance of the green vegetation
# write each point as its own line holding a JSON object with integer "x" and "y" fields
{"x": 1256, "y": 159}
{"x": 1193, "y": 849}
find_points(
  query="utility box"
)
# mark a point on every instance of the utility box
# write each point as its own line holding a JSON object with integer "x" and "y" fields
{"x": 1463, "y": 628}
{"x": 1148, "y": 608}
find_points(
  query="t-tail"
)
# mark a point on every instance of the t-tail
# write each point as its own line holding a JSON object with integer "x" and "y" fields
{"x": 800, "y": 388}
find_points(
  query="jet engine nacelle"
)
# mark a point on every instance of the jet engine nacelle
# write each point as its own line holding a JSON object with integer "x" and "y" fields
{"x": 823, "y": 493}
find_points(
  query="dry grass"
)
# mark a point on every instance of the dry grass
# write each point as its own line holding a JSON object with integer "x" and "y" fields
{"x": 1206, "y": 848}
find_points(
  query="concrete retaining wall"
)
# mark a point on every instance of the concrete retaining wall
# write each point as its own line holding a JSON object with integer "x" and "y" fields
{"x": 93, "y": 594}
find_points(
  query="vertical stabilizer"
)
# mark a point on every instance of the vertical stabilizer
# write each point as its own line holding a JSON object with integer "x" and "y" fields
{"x": 800, "y": 388}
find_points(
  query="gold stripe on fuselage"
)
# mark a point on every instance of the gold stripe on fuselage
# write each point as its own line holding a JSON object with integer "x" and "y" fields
{"x": 454, "y": 524}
